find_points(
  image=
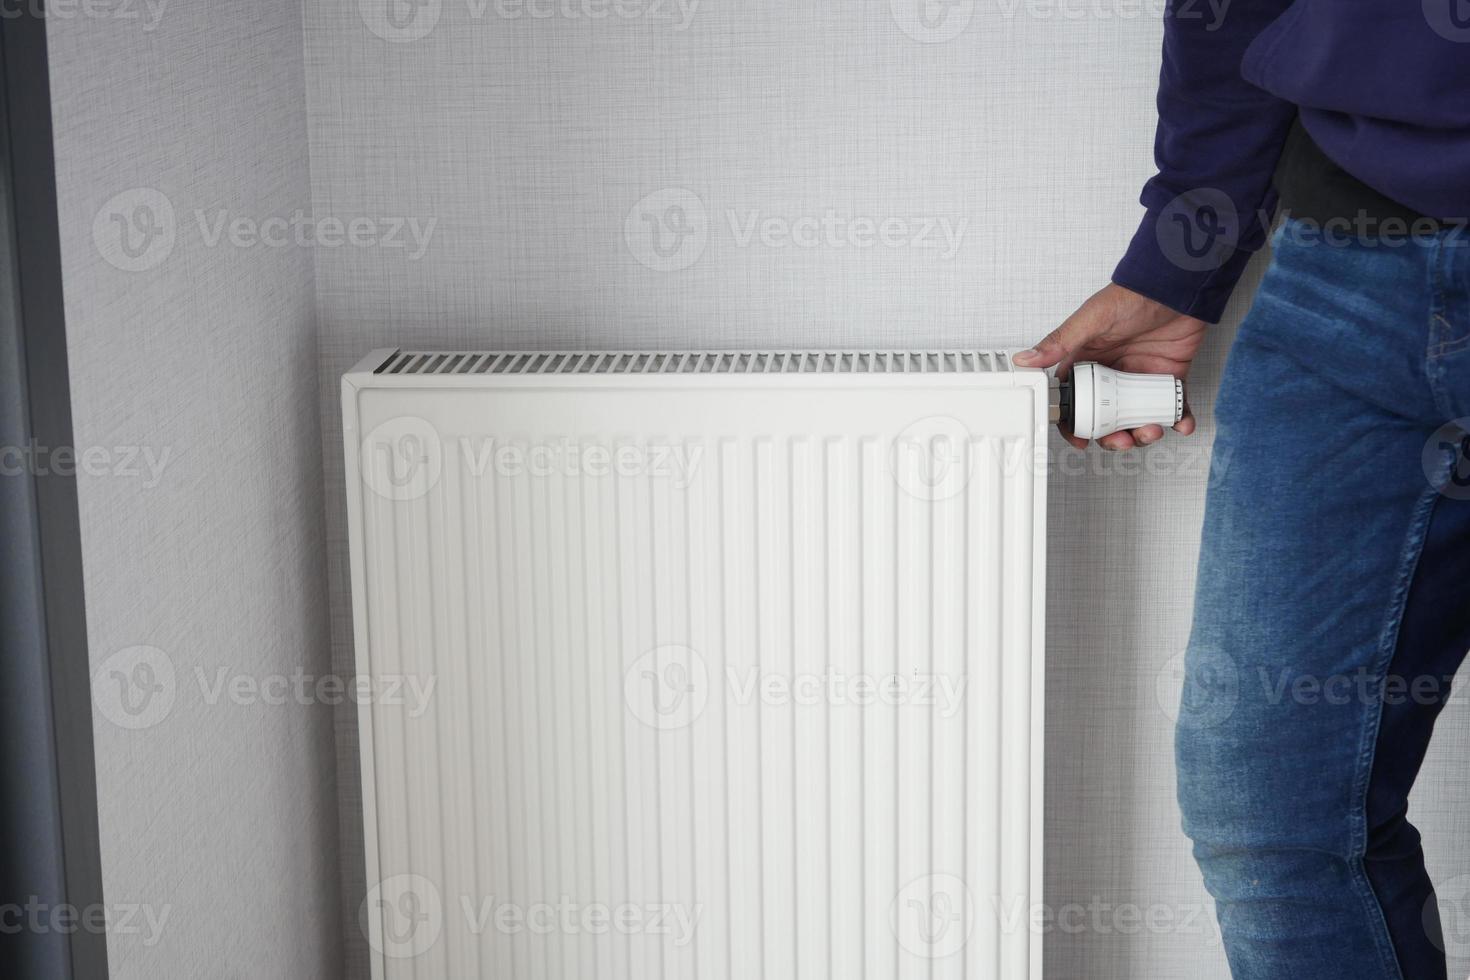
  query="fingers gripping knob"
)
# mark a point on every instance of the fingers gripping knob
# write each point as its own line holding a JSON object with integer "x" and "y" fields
{"x": 1105, "y": 401}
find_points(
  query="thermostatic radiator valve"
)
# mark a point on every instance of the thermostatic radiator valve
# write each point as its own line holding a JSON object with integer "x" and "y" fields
{"x": 1099, "y": 401}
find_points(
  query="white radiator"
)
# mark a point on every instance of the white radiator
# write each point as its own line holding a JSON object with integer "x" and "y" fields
{"x": 695, "y": 666}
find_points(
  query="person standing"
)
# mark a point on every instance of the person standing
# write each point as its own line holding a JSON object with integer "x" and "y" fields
{"x": 1333, "y": 595}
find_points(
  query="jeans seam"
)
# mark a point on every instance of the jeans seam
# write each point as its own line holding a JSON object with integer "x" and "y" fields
{"x": 1434, "y": 347}
{"x": 1449, "y": 348}
{"x": 1367, "y": 751}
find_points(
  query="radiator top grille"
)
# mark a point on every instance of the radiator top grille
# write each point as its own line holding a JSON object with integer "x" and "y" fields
{"x": 408, "y": 362}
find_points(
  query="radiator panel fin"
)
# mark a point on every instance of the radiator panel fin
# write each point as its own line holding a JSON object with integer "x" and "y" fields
{"x": 805, "y": 362}
{"x": 767, "y": 713}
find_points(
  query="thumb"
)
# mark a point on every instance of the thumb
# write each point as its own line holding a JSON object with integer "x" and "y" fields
{"x": 1056, "y": 347}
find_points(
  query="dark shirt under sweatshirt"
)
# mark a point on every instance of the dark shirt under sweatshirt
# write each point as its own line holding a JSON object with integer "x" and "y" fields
{"x": 1315, "y": 189}
{"x": 1378, "y": 92}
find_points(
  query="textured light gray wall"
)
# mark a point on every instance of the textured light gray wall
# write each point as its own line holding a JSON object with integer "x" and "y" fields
{"x": 536, "y": 137}
{"x": 194, "y": 384}
{"x": 531, "y": 140}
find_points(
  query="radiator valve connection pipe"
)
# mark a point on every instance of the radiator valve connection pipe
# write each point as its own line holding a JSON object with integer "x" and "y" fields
{"x": 1098, "y": 400}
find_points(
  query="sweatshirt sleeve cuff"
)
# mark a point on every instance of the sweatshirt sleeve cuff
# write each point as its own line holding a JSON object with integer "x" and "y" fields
{"x": 1187, "y": 260}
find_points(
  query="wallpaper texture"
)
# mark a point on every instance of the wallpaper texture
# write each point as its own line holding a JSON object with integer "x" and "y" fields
{"x": 492, "y": 173}
{"x": 766, "y": 133}
{"x": 194, "y": 387}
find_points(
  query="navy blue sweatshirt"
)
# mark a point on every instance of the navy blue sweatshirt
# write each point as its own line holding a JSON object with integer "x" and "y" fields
{"x": 1382, "y": 86}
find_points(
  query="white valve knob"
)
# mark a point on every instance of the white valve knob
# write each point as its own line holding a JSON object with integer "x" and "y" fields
{"x": 1104, "y": 400}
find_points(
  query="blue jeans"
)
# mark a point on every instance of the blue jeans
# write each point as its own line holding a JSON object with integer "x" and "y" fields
{"x": 1333, "y": 607}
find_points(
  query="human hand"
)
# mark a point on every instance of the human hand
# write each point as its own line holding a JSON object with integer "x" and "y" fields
{"x": 1122, "y": 329}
